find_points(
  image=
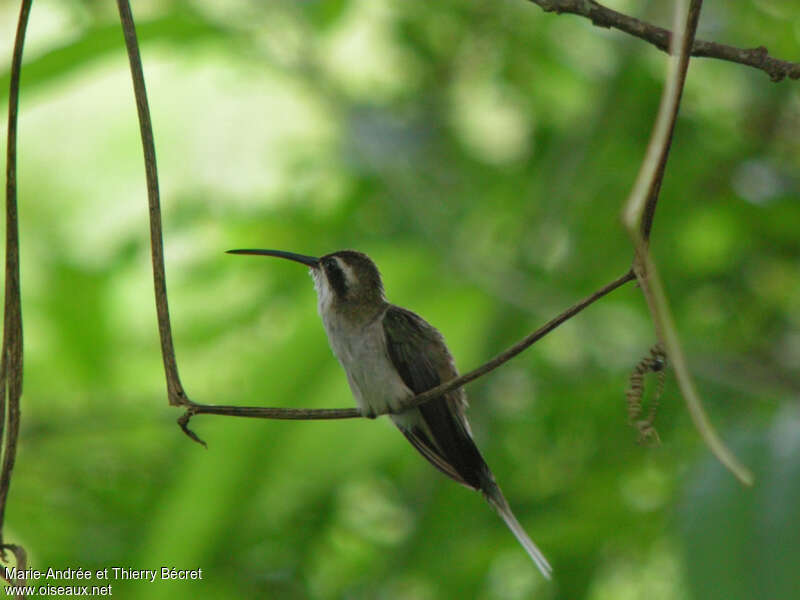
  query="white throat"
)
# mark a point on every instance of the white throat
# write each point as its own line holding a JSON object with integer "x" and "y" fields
{"x": 324, "y": 292}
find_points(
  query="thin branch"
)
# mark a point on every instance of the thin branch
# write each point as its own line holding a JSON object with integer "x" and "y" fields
{"x": 263, "y": 412}
{"x": 678, "y": 82}
{"x": 352, "y": 413}
{"x": 635, "y": 217}
{"x": 20, "y": 562}
{"x": 11, "y": 363}
{"x": 602, "y": 16}
{"x": 648, "y": 183}
{"x": 523, "y": 344}
{"x": 662, "y": 318}
{"x": 175, "y": 393}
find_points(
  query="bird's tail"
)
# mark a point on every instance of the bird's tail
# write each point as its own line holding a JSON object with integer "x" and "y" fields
{"x": 495, "y": 497}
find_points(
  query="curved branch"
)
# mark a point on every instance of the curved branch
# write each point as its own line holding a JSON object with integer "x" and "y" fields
{"x": 303, "y": 414}
{"x": 176, "y": 395}
{"x": 637, "y": 218}
{"x": 644, "y": 198}
{"x": 11, "y": 367}
{"x": 656, "y": 159}
{"x": 758, "y": 58}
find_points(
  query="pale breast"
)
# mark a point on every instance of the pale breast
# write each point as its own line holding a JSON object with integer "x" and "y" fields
{"x": 375, "y": 383}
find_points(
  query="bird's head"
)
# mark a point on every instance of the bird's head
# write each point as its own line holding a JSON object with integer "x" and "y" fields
{"x": 346, "y": 281}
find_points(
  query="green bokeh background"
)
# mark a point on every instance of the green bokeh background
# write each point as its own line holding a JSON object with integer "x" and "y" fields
{"x": 480, "y": 152}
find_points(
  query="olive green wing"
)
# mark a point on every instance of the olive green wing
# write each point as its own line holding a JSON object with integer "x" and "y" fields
{"x": 438, "y": 428}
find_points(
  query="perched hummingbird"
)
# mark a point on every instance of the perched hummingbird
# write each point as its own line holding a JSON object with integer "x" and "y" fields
{"x": 391, "y": 354}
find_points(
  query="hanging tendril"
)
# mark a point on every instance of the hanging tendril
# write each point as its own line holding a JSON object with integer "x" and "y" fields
{"x": 654, "y": 362}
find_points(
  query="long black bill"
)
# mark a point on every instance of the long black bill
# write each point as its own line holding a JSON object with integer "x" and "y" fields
{"x": 311, "y": 261}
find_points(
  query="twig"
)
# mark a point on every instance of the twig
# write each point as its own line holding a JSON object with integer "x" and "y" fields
{"x": 523, "y": 344}
{"x": 352, "y": 413}
{"x": 263, "y": 412}
{"x": 175, "y": 393}
{"x": 648, "y": 183}
{"x": 11, "y": 363}
{"x": 636, "y": 214}
{"x": 20, "y": 562}
{"x": 602, "y": 16}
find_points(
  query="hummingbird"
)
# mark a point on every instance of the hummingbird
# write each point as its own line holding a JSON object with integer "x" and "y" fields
{"x": 391, "y": 354}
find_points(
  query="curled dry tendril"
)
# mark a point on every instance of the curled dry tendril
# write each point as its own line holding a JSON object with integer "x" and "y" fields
{"x": 654, "y": 362}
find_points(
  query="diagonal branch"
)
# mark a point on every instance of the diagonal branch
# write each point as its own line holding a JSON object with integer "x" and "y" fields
{"x": 638, "y": 215}
{"x": 11, "y": 362}
{"x": 517, "y": 348}
{"x": 602, "y": 16}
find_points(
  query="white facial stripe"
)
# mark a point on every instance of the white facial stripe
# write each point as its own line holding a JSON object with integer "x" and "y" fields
{"x": 349, "y": 276}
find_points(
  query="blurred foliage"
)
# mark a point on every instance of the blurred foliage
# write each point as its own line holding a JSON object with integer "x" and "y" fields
{"x": 480, "y": 152}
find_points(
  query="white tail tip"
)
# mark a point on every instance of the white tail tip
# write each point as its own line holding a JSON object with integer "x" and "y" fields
{"x": 499, "y": 503}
